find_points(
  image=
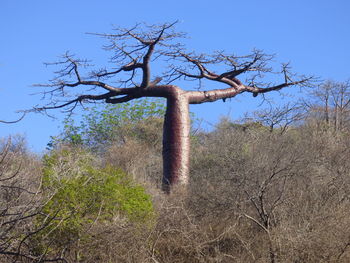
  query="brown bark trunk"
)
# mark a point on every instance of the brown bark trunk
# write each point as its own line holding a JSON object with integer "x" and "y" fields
{"x": 176, "y": 140}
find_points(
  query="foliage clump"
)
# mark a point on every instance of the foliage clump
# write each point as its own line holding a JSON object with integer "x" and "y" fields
{"x": 112, "y": 123}
{"x": 80, "y": 195}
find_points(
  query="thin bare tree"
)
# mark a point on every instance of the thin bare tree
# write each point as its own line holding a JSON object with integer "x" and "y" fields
{"x": 330, "y": 103}
{"x": 135, "y": 50}
{"x": 281, "y": 117}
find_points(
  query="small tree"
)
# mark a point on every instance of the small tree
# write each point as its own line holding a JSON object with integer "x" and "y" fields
{"x": 135, "y": 50}
{"x": 330, "y": 103}
{"x": 279, "y": 117}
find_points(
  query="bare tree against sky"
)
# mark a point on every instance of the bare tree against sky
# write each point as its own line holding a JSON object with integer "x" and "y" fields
{"x": 135, "y": 50}
{"x": 280, "y": 117}
{"x": 330, "y": 102}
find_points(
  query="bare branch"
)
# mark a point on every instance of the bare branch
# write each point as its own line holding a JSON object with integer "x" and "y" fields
{"x": 15, "y": 121}
{"x": 259, "y": 90}
{"x": 120, "y": 100}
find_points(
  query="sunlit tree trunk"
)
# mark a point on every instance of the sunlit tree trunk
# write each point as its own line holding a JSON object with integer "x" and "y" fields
{"x": 176, "y": 141}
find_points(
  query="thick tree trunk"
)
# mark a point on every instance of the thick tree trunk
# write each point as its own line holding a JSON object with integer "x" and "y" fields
{"x": 176, "y": 140}
{"x": 176, "y": 130}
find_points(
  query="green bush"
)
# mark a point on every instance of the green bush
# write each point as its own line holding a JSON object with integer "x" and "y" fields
{"x": 79, "y": 195}
{"x": 102, "y": 125}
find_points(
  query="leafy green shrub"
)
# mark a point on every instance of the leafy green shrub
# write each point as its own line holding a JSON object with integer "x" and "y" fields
{"x": 110, "y": 123}
{"x": 81, "y": 195}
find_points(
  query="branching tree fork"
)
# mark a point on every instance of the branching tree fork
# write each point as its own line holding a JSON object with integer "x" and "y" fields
{"x": 135, "y": 50}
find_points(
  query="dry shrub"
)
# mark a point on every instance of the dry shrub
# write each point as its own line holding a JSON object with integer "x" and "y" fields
{"x": 140, "y": 152}
{"x": 290, "y": 191}
{"x": 19, "y": 198}
{"x": 137, "y": 159}
{"x": 174, "y": 236}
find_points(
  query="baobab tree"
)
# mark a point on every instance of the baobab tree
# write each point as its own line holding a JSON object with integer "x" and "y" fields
{"x": 135, "y": 51}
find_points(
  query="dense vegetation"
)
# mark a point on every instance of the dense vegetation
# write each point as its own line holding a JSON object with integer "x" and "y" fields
{"x": 272, "y": 188}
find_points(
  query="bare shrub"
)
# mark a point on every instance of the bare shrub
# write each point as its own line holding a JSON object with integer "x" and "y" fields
{"x": 289, "y": 191}
{"x": 19, "y": 199}
{"x": 140, "y": 152}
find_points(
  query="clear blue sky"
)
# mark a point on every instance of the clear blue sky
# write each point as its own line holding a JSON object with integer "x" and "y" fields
{"x": 314, "y": 35}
